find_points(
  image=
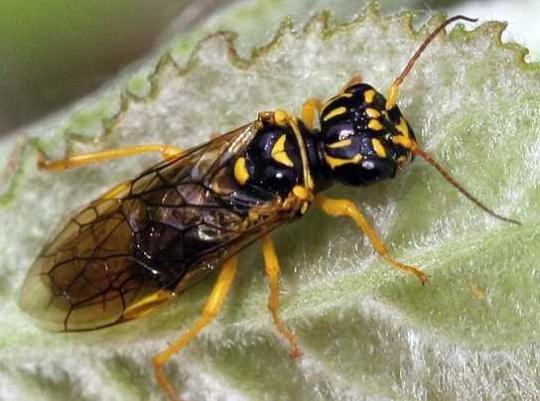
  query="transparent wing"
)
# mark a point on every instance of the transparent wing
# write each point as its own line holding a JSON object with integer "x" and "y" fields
{"x": 159, "y": 232}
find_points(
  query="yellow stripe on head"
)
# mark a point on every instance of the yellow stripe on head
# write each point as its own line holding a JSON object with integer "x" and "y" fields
{"x": 372, "y": 113}
{"x": 375, "y": 125}
{"x": 335, "y": 112}
{"x": 379, "y": 148}
{"x": 340, "y": 144}
{"x": 328, "y": 103}
{"x": 369, "y": 95}
{"x": 334, "y": 162}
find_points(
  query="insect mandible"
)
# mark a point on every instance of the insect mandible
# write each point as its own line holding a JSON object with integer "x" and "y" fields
{"x": 148, "y": 239}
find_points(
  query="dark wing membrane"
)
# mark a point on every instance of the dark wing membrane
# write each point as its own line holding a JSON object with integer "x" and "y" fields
{"x": 156, "y": 232}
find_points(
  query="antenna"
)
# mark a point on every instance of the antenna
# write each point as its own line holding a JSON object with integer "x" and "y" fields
{"x": 392, "y": 96}
{"x": 427, "y": 157}
{"x": 413, "y": 147}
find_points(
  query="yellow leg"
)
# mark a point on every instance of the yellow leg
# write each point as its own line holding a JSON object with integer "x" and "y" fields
{"x": 210, "y": 311}
{"x": 310, "y": 109}
{"x": 343, "y": 207}
{"x": 271, "y": 267}
{"x": 147, "y": 305}
{"x": 94, "y": 157}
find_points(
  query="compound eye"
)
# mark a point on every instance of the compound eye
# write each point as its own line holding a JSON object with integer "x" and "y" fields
{"x": 368, "y": 171}
{"x": 378, "y": 169}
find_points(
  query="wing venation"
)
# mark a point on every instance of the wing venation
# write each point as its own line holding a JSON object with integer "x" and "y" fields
{"x": 161, "y": 231}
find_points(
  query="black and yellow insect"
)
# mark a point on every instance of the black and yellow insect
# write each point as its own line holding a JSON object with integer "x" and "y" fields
{"x": 150, "y": 238}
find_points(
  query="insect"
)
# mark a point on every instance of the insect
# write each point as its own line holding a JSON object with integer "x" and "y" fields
{"x": 150, "y": 238}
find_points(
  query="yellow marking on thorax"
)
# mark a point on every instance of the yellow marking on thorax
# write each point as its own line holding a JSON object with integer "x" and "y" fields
{"x": 369, "y": 95}
{"x": 378, "y": 147}
{"x": 240, "y": 171}
{"x": 334, "y": 162}
{"x": 403, "y": 128}
{"x": 308, "y": 179}
{"x": 375, "y": 125}
{"x": 300, "y": 192}
{"x": 372, "y": 113}
{"x": 279, "y": 154}
{"x": 281, "y": 117}
{"x": 336, "y": 112}
{"x": 339, "y": 144}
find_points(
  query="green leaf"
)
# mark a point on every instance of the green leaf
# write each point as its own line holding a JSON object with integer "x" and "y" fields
{"x": 367, "y": 331}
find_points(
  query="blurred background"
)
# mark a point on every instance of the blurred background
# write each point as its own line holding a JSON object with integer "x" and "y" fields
{"x": 54, "y": 52}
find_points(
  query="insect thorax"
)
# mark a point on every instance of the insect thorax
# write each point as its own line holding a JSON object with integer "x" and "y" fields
{"x": 270, "y": 165}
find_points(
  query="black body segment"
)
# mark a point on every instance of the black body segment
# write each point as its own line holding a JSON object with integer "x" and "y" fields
{"x": 272, "y": 162}
{"x": 356, "y": 136}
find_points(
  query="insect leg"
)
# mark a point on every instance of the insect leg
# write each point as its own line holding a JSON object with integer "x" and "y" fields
{"x": 210, "y": 311}
{"x": 344, "y": 207}
{"x": 147, "y": 305}
{"x": 272, "y": 269}
{"x": 166, "y": 151}
{"x": 310, "y": 109}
